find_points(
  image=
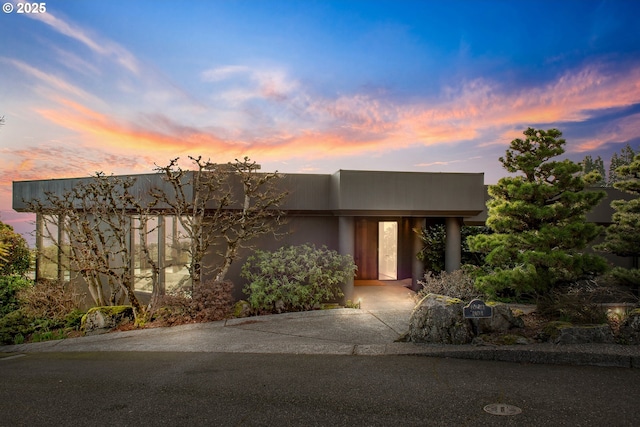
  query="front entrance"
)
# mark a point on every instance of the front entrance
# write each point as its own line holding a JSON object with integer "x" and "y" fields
{"x": 376, "y": 249}
{"x": 387, "y": 250}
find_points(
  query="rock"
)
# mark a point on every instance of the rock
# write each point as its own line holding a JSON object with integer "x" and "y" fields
{"x": 567, "y": 333}
{"x": 439, "y": 319}
{"x": 100, "y": 320}
{"x": 630, "y": 328}
{"x": 241, "y": 309}
{"x": 502, "y": 320}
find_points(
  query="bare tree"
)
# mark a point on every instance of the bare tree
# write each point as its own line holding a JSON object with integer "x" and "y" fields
{"x": 190, "y": 192}
{"x": 205, "y": 201}
{"x": 260, "y": 213}
{"x": 96, "y": 216}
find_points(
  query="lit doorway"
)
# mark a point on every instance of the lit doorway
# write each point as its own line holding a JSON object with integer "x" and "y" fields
{"x": 387, "y": 250}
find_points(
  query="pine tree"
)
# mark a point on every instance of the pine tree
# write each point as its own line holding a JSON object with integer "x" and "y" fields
{"x": 589, "y": 165}
{"x": 623, "y": 236}
{"x": 618, "y": 160}
{"x": 538, "y": 219}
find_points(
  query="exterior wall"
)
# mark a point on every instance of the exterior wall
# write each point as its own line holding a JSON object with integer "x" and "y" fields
{"x": 368, "y": 193}
{"x": 318, "y": 230}
{"x": 322, "y": 208}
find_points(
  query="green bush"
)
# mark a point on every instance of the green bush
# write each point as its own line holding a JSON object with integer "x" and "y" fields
{"x": 295, "y": 278}
{"x": 9, "y": 289}
{"x": 434, "y": 240}
{"x": 16, "y": 256}
{"x": 15, "y": 326}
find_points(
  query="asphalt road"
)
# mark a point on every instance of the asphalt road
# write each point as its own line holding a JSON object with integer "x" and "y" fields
{"x": 215, "y": 389}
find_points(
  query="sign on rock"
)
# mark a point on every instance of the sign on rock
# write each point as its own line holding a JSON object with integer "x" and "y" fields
{"x": 477, "y": 309}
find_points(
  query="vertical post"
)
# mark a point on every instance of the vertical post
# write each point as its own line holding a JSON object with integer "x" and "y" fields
{"x": 417, "y": 266}
{"x": 39, "y": 243}
{"x": 453, "y": 242}
{"x": 346, "y": 246}
{"x": 162, "y": 247}
{"x": 60, "y": 247}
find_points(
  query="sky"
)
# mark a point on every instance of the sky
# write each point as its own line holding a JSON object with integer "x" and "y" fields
{"x": 301, "y": 86}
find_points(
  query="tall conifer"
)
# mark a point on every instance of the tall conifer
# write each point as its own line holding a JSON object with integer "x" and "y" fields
{"x": 538, "y": 219}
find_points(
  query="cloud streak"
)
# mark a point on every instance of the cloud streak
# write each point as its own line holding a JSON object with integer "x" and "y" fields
{"x": 312, "y": 127}
{"x": 106, "y": 48}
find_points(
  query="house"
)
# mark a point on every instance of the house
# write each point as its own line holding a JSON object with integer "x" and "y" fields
{"x": 367, "y": 214}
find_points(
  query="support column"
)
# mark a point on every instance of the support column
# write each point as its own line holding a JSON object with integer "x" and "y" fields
{"x": 417, "y": 266}
{"x": 39, "y": 245}
{"x": 347, "y": 246}
{"x": 453, "y": 249}
{"x": 162, "y": 255}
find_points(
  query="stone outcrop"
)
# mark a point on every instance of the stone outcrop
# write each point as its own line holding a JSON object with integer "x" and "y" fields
{"x": 439, "y": 319}
{"x": 501, "y": 321}
{"x": 100, "y": 320}
{"x": 567, "y": 333}
{"x": 630, "y": 328}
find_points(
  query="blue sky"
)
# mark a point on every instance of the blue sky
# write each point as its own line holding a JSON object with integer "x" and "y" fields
{"x": 310, "y": 86}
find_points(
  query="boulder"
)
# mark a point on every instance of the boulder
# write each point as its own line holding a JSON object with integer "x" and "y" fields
{"x": 567, "y": 333}
{"x": 100, "y": 320}
{"x": 502, "y": 320}
{"x": 439, "y": 319}
{"x": 630, "y": 328}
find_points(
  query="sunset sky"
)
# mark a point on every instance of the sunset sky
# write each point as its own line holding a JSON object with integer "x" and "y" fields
{"x": 310, "y": 86}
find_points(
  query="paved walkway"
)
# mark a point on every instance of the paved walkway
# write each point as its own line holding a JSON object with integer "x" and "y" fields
{"x": 371, "y": 330}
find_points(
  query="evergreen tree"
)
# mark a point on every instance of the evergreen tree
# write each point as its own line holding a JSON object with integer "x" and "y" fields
{"x": 538, "y": 219}
{"x": 623, "y": 236}
{"x": 14, "y": 252}
{"x": 589, "y": 165}
{"x": 618, "y": 160}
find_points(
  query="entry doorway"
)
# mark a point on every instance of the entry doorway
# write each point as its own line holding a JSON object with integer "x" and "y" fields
{"x": 377, "y": 244}
{"x": 387, "y": 250}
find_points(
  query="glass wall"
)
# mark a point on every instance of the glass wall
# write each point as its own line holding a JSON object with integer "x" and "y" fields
{"x": 160, "y": 248}
{"x": 165, "y": 246}
{"x": 53, "y": 247}
{"x": 176, "y": 261}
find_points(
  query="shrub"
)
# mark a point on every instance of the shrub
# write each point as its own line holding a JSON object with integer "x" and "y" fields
{"x": 50, "y": 299}
{"x": 209, "y": 302}
{"x": 9, "y": 288}
{"x": 581, "y": 301}
{"x": 295, "y": 278}
{"x": 434, "y": 239}
{"x": 15, "y": 326}
{"x": 17, "y": 257}
{"x": 457, "y": 284}
{"x": 45, "y": 310}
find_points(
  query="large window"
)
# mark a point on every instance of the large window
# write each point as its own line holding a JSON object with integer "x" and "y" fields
{"x": 176, "y": 273}
{"x": 53, "y": 248}
{"x": 165, "y": 245}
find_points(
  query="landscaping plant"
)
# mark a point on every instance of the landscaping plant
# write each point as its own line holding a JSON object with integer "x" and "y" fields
{"x": 209, "y": 302}
{"x": 295, "y": 278}
{"x": 457, "y": 284}
{"x": 539, "y": 221}
{"x": 623, "y": 236}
